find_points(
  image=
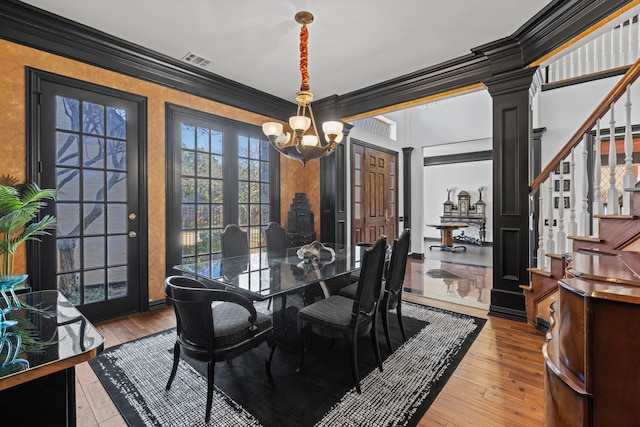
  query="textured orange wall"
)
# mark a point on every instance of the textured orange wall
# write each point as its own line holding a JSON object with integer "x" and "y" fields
{"x": 296, "y": 178}
{"x": 13, "y": 60}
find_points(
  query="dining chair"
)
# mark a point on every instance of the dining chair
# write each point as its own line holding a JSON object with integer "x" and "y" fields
{"x": 275, "y": 237}
{"x": 393, "y": 284}
{"x": 233, "y": 241}
{"x": 341, "y": 317}
{"x": 213, "y": 325}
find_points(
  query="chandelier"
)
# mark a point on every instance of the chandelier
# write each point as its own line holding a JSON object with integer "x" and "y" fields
{"x": 306, "y": 144}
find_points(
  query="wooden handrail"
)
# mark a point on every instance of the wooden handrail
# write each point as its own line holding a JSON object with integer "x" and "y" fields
{"x": 615, "y": 94}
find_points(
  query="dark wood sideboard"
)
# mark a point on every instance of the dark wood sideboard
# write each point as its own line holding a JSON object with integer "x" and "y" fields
{"x": 592, "y": 352}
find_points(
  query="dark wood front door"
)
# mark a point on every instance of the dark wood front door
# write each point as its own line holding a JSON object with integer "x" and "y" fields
{"x": 373, "y": 193}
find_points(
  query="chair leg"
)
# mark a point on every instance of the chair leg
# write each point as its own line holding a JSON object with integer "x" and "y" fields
{"x": 385, "y": 324}
{"x": 174, "y": 369}
{"x": 210, "y": 371}
{"x": 272, "y": 344}
{"x": 399, "y": 312}
{"x": 374, "y": 341}
{"x": 353, "y": 354}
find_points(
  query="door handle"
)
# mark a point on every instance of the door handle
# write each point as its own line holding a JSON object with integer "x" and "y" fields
{"x": 386, "y": 215}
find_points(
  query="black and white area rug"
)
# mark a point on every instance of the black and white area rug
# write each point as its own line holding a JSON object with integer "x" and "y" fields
{"x": 135, "y": 373}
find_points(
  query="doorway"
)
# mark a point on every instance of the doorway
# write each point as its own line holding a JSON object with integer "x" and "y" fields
{"x": 374, "y": 196}
{"x": 89, "y": 147}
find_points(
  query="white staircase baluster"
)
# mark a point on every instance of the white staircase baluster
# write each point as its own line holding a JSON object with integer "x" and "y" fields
{"x": 603, "y": 51}
{"x": 620, "y": 45}
{"x": 561, "y": 236}
{"x": 572, "y": 64}
{"x": 572, "y": 227}
{"x": 612, "y": 193}
{"x": 584, "y": 211}
{"x": 587, "y": 59}
{"x": 541, "y": 261}
{"x": 551, "y": 246}
{"x": 629, "y": 181}
{"x": 638, "y": 36}
{"x": 630, "y": 42}
{"x": 598, "y": 209}
{"x": 580, "y": 71}
{"x": 612, "y": 51}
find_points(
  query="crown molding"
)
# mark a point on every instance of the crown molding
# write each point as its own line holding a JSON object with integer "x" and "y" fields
{"x": 557, "y": 23}
{"x": 30, "y": 26}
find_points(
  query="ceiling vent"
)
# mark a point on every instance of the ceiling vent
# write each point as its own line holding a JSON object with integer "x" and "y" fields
{"x": 196, "y": 59}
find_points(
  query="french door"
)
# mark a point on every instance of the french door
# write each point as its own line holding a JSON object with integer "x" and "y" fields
{"x": 373, "y": 192}
{"x": 88, "y": 148}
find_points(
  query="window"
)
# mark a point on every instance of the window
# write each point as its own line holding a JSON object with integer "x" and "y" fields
{"x": 224, "y": 172}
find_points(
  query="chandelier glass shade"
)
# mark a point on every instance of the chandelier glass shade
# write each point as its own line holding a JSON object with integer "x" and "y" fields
{"x": 306, "y": 145}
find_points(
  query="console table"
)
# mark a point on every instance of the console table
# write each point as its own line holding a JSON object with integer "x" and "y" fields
{"x": 37, "y": 387}
{"x": 446, "y": 235}
{"x": 479, "y": 220}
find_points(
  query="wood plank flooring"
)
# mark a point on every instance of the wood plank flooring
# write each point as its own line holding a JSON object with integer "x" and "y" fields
{"x": 498, "y": 383}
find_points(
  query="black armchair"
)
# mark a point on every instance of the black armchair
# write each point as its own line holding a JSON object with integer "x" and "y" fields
{"x": 394, "y": 279}
{"x": 339, "y": 316}
{"x": 214, "y": 332}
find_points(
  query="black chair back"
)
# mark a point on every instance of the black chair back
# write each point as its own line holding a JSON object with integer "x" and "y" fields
{"x": 370, "y": 281}
{"x": 194, "y": 323}
{"x": 192, "y": 305}
{"x": 233, "y": 241}
{"x": 275, "y": 237}
{"x": 398, "y": 263}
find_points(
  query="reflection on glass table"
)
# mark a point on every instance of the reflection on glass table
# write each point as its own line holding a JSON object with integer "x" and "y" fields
{"x": 265, "y": 275}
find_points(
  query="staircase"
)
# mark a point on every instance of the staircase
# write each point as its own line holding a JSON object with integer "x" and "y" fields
{"x": 603, "y": 201}
{"x": 618, "y": 236}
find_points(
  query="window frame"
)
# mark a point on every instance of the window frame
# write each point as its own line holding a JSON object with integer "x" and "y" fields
{"x": 232, "y": 129}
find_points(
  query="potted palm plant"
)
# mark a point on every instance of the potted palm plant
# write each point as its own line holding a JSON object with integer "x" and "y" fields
{"x": 20, "y": 204}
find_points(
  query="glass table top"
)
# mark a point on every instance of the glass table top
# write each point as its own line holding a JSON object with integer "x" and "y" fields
{"x": 45, "y": 335}
{"x": 266, "y": 274}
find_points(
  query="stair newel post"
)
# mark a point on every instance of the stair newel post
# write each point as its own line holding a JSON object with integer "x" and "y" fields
{"x": 612, "y": 192}
{"x": 541, "y": 258}
{"x": 629, "y": 180}
{"x": 584, "y": 211}
{"x": 572, "y": 227}
{"x": 561, "y": 236}
{"x": 597, "y": 180}
{"x": 551, "y": 246}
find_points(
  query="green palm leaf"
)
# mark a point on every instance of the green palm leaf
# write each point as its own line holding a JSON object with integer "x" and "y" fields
{"x": 20, "y": 205}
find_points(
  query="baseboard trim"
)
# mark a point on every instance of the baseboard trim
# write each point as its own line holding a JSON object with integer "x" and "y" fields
{"x": 157, "y": 304}
{"x": 508, "y": 313}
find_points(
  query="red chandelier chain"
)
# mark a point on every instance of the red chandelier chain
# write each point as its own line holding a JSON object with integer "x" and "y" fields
{"x": 304, "y": 56}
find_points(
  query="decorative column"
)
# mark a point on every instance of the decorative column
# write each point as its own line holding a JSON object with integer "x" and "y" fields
{"x": 511, "y": 135}
{"x": 406, "y": 186}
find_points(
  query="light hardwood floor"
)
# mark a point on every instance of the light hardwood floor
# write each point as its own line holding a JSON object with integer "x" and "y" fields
{"x": 498, "y": 383}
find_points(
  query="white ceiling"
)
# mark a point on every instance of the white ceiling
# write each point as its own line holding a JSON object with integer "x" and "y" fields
{"x": 352, "y": 43}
